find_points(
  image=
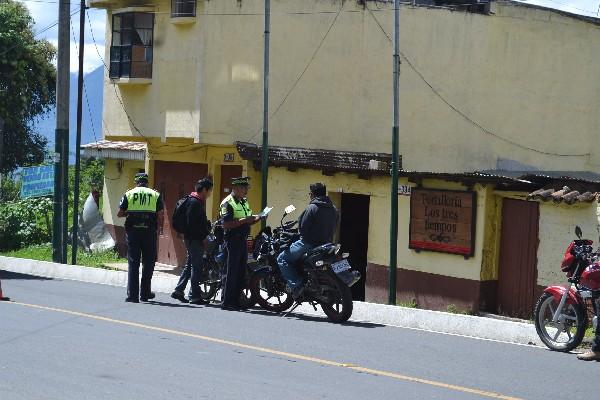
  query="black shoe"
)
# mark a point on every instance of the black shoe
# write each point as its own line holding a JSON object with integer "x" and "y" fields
{"x": 297, "y": 292}
{"x": 150, "y": 296}
{"x": 199, "y": 301}
{"x": 131, "y": 300}
{"x": 230, "y": 308}
{"x": 180, "y": 297}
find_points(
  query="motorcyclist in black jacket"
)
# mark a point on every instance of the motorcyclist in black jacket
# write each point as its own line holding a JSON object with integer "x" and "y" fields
{"x": 317, "y": 225}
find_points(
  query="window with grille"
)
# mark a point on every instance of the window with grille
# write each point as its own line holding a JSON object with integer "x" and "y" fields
{"x": 131, "y": 46}
{"x": 183, "y": 8}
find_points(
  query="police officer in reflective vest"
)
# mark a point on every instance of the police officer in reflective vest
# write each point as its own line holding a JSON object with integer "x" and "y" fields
{"x": 237, "y": 218}
{"x": 143, "y": 209}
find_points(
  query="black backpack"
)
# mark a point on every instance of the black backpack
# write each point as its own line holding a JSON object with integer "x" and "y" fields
{"x": 179, "y": 219}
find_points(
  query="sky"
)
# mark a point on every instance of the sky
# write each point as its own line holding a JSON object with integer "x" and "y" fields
{"x": 45, "y": 13}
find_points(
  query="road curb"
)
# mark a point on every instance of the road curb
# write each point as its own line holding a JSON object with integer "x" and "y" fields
{"x": 437, "y": 321}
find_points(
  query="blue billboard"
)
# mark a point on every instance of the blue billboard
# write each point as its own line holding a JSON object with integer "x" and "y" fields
{"x": 37, "y": 181}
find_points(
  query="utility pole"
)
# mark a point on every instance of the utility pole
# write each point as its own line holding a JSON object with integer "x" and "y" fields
{"x": 395, "y": 156}
{"x": 265, "y": 140}
{"x": 61, "y": 146}
{"x": 74, "y": 241}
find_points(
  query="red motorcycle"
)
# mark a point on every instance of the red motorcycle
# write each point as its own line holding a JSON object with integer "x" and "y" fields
{"x": 561, "y": 314}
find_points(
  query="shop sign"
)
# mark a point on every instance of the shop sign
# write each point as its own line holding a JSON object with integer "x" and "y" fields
{"x": 443, "y": 221}
{"x": 37, "y": 181}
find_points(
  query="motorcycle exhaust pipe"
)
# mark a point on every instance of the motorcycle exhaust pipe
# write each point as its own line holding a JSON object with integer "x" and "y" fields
{"x": 595, "y": 324}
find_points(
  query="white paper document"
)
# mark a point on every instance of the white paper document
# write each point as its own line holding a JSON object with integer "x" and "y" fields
{"x": 265, "y": 212}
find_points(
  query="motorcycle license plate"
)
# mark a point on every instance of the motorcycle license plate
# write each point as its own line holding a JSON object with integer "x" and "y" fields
{"x": 340, "y": 266}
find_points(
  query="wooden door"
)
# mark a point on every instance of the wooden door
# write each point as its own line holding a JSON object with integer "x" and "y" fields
{"x": 518, "y": 258}
{"x": 227, "y": 173}
{"x": 174, "y": 180}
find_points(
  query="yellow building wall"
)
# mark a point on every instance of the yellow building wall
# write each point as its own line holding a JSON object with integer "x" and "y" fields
{"x": 510, "y": 72}
{"x": 286, "y": 187}
{"x": 116, "y": 183}
{"x": 118, "y": 178}
{"x": 557, "y": 230}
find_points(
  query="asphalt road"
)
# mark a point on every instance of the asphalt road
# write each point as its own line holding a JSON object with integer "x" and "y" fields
{"x": 69, "y": 340}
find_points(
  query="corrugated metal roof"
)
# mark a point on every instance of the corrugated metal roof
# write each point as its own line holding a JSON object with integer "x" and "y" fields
{"x": 478, "y": 177}
{"x": 121, "y": 150}
{"x": 326, "y": 160}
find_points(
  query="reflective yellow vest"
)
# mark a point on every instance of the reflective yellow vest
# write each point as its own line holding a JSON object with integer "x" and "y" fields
{"x": 142, "y": 199}
{"x": 240, "y": 210}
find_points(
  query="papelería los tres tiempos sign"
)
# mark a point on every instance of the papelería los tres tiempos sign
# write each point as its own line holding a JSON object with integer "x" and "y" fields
{"x": 443, "y": 221}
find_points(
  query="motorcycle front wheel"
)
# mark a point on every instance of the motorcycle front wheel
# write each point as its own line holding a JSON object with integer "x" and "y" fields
{"x": 269, "y": 292}
{"x": 339, "y": 305}
{"x": 565, "y": 334}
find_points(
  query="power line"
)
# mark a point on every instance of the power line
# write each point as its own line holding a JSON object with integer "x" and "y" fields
{"x": 310, "y": 61}
{"x": 461, "y": 113}
{"x": 36, "y": 34}
{"x": 129, "y": 118}
{"x": 84, "y": 86}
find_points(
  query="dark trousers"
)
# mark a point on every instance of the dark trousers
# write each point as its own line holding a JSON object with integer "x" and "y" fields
{"x": 596, "y": 341}
{"x": 193, "y": 268}
{"x": 141, "y": 244}
{"x": 233, "y": 280}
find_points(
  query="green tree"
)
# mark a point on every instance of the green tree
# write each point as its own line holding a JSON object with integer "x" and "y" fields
{"x": 27, "y": 87}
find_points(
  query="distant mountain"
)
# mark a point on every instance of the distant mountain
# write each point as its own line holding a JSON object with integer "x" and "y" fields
{"x": 94, "y": 82}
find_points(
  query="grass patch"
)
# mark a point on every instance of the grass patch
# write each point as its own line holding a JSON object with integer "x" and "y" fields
{"x": 452, "y": 309}
{"x": 589, "y": 333}
{"x": 408, "y": 304}
{"x": 43, "y": 252}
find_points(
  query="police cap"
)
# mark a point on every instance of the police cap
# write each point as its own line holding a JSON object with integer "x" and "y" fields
{"x": 141, "y": 177}
{"x": 241, "y": 181}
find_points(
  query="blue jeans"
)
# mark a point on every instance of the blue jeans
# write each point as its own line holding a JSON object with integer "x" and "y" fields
{"x": 288, "y": 259}
{"x": 193, "y": 268}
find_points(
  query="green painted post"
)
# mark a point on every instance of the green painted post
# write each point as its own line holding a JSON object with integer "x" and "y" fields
{"x": 265, "y": 139}
{"x": 395, "y": 159}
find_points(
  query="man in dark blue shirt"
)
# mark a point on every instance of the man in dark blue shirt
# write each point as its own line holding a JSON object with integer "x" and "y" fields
{"x": 197, "y": 229}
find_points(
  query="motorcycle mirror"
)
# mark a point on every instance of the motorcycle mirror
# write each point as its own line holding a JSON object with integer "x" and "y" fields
{"x": 578, "y": 232}
{"x": 289, "y": 209}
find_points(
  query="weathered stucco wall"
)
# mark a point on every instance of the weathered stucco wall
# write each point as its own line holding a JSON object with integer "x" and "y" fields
{"x": 510, "y": 72}
{"x": 287, "y": 187}
{"x": 117, "y": 180}
{"x": 557, "y": 230}
{"x": 117, "y": 183}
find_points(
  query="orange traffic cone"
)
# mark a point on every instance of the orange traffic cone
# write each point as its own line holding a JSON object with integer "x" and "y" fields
{"x": 2, "y": 298}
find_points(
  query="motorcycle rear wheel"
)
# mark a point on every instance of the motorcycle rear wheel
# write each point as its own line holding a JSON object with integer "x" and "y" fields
{"x": 561, "y": 336}
{"x": 269, "y": 292}
{"x": 341, "y": 305}
{"x": 210, "y": 283}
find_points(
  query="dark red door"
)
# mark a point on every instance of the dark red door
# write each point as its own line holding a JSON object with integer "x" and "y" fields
{"x": 174, "y": 180}
{"x": 518, "y": 258}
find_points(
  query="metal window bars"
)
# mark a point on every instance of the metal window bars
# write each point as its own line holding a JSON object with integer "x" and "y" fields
{"x": 183, "y": 8}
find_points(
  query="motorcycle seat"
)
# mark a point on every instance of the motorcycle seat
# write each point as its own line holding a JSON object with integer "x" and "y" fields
{"x": 318, "y": 250}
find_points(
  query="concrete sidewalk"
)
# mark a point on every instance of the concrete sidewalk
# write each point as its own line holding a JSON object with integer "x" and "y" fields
{"x": 456, "y": 324}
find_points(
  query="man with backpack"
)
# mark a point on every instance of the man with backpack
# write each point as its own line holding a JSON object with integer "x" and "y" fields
{"x": 190, "y": 219}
